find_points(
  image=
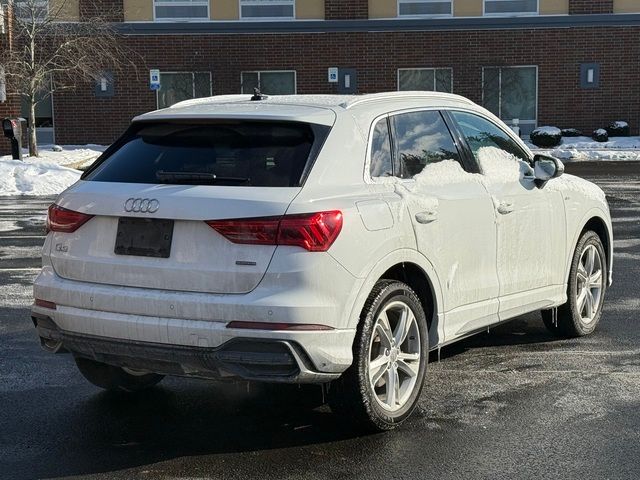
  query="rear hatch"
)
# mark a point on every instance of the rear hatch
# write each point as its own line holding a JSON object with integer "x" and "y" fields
{"x": 152, "y": 191}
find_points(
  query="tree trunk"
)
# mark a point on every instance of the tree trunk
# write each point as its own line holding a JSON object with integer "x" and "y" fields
{"x": 33, "y": 143}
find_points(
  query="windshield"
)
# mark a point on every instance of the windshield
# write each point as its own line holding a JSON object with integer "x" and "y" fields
{"x": 240, "y": 153}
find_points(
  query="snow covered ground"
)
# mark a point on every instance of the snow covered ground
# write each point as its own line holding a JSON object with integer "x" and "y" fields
{"x": 48, "y": 174}
{"x": 586, "y": 149}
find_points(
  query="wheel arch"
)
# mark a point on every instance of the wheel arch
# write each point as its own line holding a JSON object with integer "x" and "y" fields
{"x": 412, "y": 268}
{"x": 597, "y": 222}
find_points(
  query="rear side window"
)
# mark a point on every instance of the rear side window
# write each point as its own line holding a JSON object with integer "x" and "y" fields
{"x": 422, "y": 138}
{"x": 259, "y": 154}
{"x": 381, "y": 160}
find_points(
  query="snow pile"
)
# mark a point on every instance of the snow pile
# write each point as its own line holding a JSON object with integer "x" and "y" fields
{"x": 442, "y": 173}
{"x": 501, "y": 166}
{"x": 72, "y": 156}
{"x": 586, "y": 149}
{"x": 498, "y": 166}
{"x": 34, "y": 177}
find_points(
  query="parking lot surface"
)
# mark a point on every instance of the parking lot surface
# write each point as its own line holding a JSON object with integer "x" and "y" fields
{"x": 511, "y": 403}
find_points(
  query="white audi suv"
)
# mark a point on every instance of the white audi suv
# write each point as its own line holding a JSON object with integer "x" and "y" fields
{"x": 330, "y": 240}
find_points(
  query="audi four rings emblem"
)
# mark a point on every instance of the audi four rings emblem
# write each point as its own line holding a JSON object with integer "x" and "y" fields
{"x": 141, "y": 205}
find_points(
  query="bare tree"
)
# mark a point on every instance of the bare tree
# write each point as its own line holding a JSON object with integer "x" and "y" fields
{"x": 49, "y": 54}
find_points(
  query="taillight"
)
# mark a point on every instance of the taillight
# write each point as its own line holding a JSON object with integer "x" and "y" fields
{"x": 315, "y": 232}
{"x": 256, "y": 231}
{"x": 64, "y": 220}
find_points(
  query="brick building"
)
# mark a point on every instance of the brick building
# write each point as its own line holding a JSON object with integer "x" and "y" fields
{"x": 570, "y": 63}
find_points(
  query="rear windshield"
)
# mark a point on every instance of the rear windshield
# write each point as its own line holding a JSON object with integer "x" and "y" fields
{"x": 258, "y": 154}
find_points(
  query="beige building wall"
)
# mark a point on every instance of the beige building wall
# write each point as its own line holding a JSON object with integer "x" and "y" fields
{"x": 554, "y": 7}
{"x": 383, "y": 8}
{"x": 138, "y": 10}
{"x": 310, "y": 9}
{"x": 65, "y": 10}
{"x": 626, "y": 6}
{"x": 467, "y": 8}
{"x": 224, "y": 9}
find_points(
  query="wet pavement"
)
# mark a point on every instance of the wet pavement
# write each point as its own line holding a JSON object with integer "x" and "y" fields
{"x": 511, "y": 403}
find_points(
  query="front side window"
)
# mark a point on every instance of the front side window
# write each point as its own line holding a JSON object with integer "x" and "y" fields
{"x": 231, "y": 153}
{"x": 176, "y": 87}
{"x": 269, "y": 83}
{"x": 422, "y": 138}
{"x": 381, "y": 159}
{"x": 181, "y": 9}
{"x": 414, "y": 8}
{"x": 429, "y": 79}
{"x": 488, "y": 141}
{"x": 267, "y": 9}
{"x": 512, "y": 93}
{"x": 510, "y": 7}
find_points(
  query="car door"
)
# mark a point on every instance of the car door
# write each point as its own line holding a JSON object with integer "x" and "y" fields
{"x": 452, "y": 216}
{"x": 530, "y": 221}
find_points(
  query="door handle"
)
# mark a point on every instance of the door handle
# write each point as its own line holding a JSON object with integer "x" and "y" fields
{"x": 505, "y": 208}
{"x": 426, "y": 217}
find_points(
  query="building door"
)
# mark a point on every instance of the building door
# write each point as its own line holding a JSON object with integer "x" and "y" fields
{"x": 45, "y": 134}
{"x": 511, "y": 93}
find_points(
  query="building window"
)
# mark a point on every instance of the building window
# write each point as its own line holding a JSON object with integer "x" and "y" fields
{"x": 176, "y": 87}
{"x": 512, "y": 93}
{"x": 31, "y": 10}
{"x": 181, "y": 9}
{"x": 414, "y": 8}
{"x": 267, "y": 9}
{"x": 269, "y": 82}
{"x": 430, "y": 79}
{"x": 510, "y": 7}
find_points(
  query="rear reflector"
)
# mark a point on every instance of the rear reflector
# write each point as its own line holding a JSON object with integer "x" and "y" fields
{"x": 64, "y": 220}
{"x": 315, "y": 232}
{"x": 277, "y": 326}
{"x": 45, "y": 304}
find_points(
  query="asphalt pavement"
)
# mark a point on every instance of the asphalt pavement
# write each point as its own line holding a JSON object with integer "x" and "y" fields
{"x": 511, "y": 403}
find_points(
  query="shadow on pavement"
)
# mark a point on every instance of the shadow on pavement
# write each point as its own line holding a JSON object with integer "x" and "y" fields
{"x": 105, "y": 432}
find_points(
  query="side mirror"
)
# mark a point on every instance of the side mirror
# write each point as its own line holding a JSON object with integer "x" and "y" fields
{"x": 546, "y": 167}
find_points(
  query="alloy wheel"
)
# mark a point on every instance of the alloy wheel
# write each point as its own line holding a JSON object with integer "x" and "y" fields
{"x": 590, "y": 283}
{"x": 394, "y": 356}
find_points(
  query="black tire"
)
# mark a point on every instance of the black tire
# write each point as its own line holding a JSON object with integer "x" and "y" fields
{"x": 115, "y": 378}
{"x": 352, "y": 395}
{"x": 569, "y": 322}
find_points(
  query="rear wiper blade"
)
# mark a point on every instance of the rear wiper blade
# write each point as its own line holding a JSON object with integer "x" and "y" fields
{"x": 197, "y": 177}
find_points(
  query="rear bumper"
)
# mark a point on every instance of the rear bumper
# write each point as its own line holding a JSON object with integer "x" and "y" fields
{"x": 282, "y": 361}
{"x": 194, "y": 340}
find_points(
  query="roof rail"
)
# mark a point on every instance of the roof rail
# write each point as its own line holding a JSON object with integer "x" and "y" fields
{"x": 423, "y": 95}
{"x": 213, "y": 99}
